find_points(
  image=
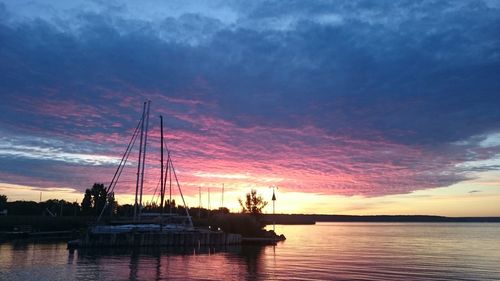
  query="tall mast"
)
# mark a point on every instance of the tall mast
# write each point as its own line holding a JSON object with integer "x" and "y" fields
{"x": 169, "y": 172}
{"x": 162, "y": 189}
{"x": 169, "y": 162}
{"x": 139, "y": 163}
{"x": 144, "y": 158}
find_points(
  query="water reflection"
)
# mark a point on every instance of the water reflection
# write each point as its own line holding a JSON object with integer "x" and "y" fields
{"x": 160, "y": 263}
{"x": 251, "y": 255}
{"x": 321, "y": 252}
{"x": 157, "y": 251}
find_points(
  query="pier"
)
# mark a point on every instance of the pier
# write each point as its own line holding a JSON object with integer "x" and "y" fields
{"x": 179, "y": 238}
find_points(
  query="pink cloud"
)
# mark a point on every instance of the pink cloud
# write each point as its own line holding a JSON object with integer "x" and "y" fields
{"x": 304, "y": 158}
{"x": 301, "y": 160}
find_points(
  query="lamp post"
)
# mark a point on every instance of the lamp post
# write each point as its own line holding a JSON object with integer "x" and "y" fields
{"x": 274, "y": 202}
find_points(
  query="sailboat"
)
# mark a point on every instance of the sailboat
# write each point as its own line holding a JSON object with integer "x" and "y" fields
{"x": 150, "y": 229}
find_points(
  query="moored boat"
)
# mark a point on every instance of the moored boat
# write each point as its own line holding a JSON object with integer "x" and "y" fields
{"x": 150, "y": 229}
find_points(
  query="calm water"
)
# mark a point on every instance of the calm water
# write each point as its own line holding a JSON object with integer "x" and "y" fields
{"x": 329, "y": 251}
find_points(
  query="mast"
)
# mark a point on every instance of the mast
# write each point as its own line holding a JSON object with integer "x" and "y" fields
{"x": 144, "y": 158}
{"x": 139, "y": 164}
{"x": 162, "y": 188}
{"x": 169, "y": 162}
{"x": 170, "y": 174}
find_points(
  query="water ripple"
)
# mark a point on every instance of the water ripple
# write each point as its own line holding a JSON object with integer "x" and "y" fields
{"x": 329, "y": 251}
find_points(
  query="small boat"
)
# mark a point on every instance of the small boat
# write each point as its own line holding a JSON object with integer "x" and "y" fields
{"x": 150, "y": 229}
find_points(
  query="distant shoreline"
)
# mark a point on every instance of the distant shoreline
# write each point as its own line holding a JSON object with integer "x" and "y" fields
{"x": 312, "y": 219}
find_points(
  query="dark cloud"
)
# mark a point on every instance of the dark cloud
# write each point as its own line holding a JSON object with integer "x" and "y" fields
{"x": 422, "y": 75}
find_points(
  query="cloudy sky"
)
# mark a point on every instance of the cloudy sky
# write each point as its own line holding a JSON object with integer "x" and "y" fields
{"x": 349, "y": 107}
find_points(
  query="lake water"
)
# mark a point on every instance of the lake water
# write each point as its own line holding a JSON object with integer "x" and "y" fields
{"x": 326, "y": 251}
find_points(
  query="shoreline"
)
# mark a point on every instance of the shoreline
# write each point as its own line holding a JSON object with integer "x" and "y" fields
{"x": 290, "y": 219}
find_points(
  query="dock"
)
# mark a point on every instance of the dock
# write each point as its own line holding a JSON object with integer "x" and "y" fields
{"x": 166, "y": 238}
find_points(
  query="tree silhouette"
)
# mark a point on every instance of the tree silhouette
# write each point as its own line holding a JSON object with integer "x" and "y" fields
{"x": 112, "y": 203}
{"x": 87, "y": 202}
{"x": 95, "y": 198}
{"x": 3, "y": 201}
{"x": 99, "y": 197}
{"x": 253, "y": 203}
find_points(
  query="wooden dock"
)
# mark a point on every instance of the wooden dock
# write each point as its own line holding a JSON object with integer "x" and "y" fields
{"x": 148, "y": 239}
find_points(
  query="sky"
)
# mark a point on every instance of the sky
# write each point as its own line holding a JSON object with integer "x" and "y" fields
{"x": 348, "y": 107}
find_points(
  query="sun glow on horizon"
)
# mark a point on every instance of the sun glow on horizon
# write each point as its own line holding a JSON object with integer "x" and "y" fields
{"x": 478, "y": 197}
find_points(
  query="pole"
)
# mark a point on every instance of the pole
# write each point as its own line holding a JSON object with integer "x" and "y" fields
{"x": 169, "y": 164}
{"x": 274, "y": 220}
{"x": 144, "y": 158}
{"x": 274, "y": 202}
{"x": 199, "y": 202}
{"x": 139, "y": 163}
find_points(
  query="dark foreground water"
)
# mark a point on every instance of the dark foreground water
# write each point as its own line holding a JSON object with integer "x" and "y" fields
{"x": 330, "y": 251}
